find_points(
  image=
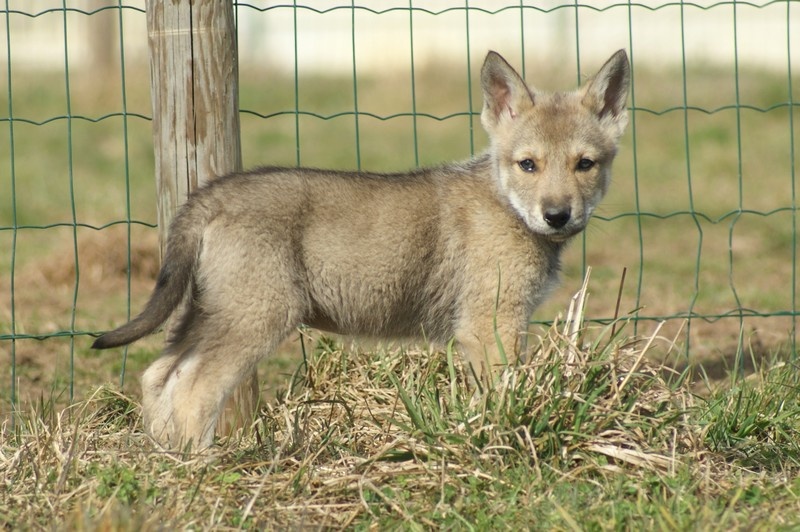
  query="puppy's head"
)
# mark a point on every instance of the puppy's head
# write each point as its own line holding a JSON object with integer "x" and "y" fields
{"x": 552, "y": 153}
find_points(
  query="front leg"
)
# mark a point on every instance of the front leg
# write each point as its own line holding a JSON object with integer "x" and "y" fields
{"x": 488, "y": 350}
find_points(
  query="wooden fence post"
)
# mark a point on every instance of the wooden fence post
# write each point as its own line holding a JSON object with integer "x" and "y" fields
{"x": 195, "y": 92}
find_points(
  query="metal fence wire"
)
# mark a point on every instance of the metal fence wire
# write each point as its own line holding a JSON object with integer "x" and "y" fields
{"x": 702, "y": 215}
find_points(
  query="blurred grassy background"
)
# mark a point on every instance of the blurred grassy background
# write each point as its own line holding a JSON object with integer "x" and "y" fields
{"x": 715, "y": 159}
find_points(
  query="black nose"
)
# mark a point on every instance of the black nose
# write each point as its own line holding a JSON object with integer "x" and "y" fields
{"x": 557, "y": 217}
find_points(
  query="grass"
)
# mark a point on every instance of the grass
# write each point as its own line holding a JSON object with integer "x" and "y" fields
{"x": 588, "y": 435}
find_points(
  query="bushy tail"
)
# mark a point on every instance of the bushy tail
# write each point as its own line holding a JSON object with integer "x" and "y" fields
{"x": 177, "y": 269}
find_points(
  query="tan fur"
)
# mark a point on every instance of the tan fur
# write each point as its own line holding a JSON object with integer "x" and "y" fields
{"x": 464, "y": 251}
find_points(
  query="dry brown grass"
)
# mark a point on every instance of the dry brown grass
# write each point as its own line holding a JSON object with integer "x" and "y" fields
{"x": 393, "y": 437}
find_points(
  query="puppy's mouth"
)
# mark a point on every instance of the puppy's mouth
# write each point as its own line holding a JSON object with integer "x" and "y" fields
{"x": 553, "y": 234}
{"x": 564, "y": 234}
{"x": 575, "y": 225}
{"x": 555, "y": 229}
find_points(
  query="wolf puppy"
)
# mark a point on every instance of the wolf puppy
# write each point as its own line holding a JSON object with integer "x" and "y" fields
{"x": 462, "y": 251}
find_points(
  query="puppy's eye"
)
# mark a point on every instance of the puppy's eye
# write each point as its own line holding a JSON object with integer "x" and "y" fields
{"x": 585, "y": 164}
{"x": 527, "y": 165}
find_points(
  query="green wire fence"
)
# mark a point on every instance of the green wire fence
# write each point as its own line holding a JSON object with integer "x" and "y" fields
{"x": 702, "y": 214}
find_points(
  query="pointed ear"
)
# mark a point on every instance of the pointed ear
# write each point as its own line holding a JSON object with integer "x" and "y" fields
{"x": 606, "y": 94}
{"x": 505, "y": 95}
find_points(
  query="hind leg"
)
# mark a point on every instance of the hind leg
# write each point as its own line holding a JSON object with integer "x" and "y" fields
{"x": 183, "y": 394}
{"x": 156, "y": 404}
{"x": 249, "y": 296}
{"x": 202, "y": 382}
{"x": 157, "y": 384}
{"x": 239, "y": 324}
